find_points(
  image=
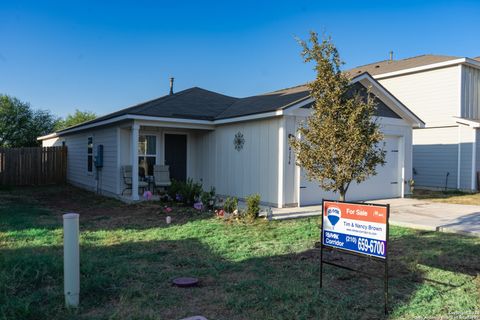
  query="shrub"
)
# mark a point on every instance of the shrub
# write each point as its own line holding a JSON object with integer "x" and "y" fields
{"x": 231, "y": 204}
{"x": 185, "y": 192}
{"x": 190, "y": 191}
{"x": 253, "y": 206}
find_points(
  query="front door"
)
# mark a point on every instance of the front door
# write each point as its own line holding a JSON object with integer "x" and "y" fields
{"x": 176, "y": 155}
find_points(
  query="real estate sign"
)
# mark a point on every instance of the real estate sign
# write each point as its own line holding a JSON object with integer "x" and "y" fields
{"x": 361, "y": 228}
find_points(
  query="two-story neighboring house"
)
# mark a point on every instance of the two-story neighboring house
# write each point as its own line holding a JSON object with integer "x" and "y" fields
{"x": 444, "y": 91}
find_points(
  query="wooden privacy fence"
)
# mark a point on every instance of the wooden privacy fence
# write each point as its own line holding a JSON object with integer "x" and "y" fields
{"x": 33, "y": 166}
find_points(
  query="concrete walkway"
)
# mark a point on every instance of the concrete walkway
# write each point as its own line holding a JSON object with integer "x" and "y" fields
{"x": 412, "y": 213}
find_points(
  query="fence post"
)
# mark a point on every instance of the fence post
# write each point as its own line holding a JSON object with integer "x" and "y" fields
{"x": 71, "y": 259}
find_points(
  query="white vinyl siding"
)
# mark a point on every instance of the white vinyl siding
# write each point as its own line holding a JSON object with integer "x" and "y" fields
{"x": 432, "y": 95}
{"x": 77, "y": 160}
{"x": 254, "y": 169}
{"x": 290, "y": 183}
{"x": 470, "y": 93}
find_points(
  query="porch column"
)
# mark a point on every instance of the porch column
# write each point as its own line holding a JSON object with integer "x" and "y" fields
{"x": 134, "y": 160}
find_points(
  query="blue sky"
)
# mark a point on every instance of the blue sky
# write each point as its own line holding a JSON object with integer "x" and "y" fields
{"x": 106, "y": 55}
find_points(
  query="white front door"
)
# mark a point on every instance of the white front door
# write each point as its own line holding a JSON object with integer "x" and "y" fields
{"x": 386, "y": 184}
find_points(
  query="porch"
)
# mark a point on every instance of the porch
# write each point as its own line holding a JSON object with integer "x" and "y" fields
{"x": 144, "y": 144}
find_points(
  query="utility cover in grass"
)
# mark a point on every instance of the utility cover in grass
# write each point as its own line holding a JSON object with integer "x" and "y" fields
{"x": 185, "y": 282}
{"x": 195, "y": 318}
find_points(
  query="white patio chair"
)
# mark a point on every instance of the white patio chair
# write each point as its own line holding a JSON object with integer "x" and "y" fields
{"x": 161, "y": 176}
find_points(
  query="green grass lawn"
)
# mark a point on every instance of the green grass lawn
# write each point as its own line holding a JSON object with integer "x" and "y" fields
{"x": 450, "y": 196}
{"x": 248, "y": 271}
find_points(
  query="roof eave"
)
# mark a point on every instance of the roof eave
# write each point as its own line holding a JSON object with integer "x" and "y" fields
{"x": 449, "y": 63}
{"x": 468, "y": 122}
{"x": 48, "y": 136}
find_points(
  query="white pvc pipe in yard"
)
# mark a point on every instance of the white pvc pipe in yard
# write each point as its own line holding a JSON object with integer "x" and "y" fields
{"x": 71, "y": 259}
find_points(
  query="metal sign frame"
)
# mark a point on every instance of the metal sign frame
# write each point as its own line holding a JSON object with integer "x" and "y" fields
{"x": 384, "y": 261}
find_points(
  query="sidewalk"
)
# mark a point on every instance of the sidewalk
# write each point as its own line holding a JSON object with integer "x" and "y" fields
{"x": 412, "y": 213}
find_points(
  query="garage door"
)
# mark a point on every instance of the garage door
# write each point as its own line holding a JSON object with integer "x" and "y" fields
{"x": 386, "y": 184}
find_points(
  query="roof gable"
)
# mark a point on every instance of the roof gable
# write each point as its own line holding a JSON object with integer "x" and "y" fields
{"x": 382, "y": 109}
{"x": 388, "y": 104}
{"x": 389, "y": 99}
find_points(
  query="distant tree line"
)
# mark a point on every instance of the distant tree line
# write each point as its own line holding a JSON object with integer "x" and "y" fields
{"x": 20, "y": 124}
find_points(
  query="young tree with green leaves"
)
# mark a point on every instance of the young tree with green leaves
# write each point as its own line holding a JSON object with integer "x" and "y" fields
{"x": 76, "y": 118}
{"x": 340, "y": 142}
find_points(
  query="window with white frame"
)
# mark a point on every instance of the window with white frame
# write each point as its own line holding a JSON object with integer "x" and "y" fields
{"x": 147, "y": 154}
{"x": 90, "y": 154}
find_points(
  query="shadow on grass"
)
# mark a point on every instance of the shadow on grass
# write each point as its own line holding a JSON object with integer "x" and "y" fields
{"x": 133, "y": 280}
{"x": 445, "y": 251}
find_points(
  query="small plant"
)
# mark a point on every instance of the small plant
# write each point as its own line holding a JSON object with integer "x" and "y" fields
{"x": 213, "y": 195}
{"x": 186, "y": 192}
{"x": 231, "y": 204}
{"x": 411, "y": 183}
{"x": 191, "y": 190}
{"x": 208, "y": 199}
{"x": 253, "y": 206}
{"x": 205, "y": 197}
{"x": 174, "y": 190}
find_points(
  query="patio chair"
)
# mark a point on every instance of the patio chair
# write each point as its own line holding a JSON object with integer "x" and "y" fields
{"x": 127, "y": 179}
{"x": 161, "y": 176}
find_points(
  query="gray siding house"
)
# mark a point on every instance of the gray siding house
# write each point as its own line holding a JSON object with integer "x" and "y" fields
{"x": 444, "y": 91}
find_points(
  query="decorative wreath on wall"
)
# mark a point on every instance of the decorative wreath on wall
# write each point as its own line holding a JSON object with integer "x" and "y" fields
{"x": 238, "y": 141}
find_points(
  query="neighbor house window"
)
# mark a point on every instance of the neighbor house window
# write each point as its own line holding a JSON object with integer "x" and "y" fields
{"x": 147, "y": 154}
{"x": 89, "y": 154}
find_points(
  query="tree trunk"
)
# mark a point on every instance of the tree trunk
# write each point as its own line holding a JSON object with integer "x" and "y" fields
{"x": 342, "y": 196}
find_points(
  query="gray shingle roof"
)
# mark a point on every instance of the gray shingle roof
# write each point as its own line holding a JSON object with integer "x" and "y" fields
{"x": 192, "y": 103}
{"x": 266, "y": 102}
{"x": 200, "y": 104}
{"x": 387, "y": 66}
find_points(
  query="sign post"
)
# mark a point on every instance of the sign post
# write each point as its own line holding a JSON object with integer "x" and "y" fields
{"x": 360, "y": 229}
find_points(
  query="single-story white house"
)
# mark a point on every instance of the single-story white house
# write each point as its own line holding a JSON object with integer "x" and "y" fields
{"x": 238, "y": 145}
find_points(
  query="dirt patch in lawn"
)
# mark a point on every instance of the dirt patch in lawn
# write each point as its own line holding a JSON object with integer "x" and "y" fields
{"x": 100, "y": 212}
